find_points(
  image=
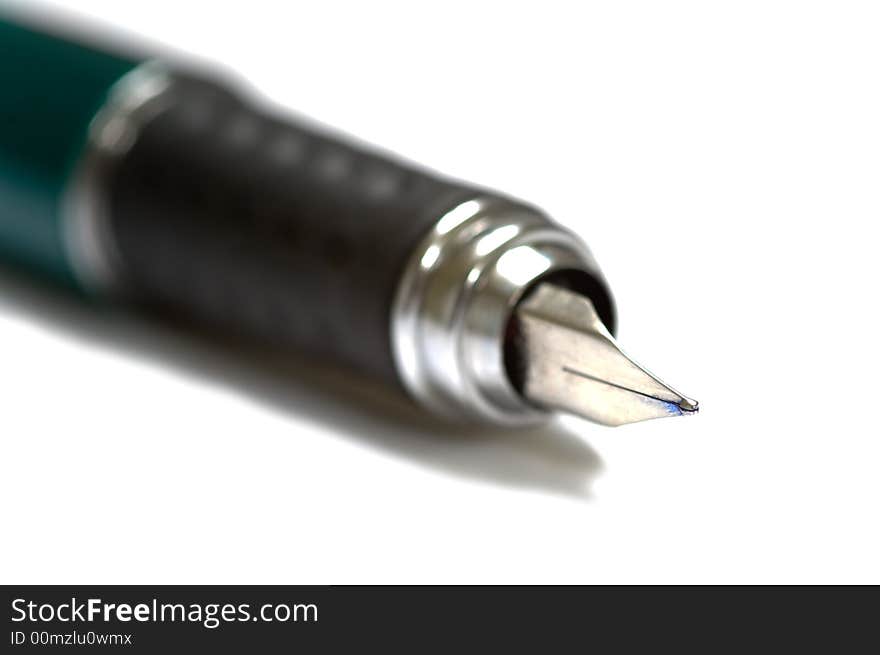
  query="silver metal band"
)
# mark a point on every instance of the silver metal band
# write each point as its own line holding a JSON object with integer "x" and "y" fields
{"x": 133, "y": 100}
{"x": 455, "y": 299}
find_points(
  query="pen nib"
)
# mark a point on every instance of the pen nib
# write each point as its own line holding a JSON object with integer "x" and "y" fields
{"x": 572, "y": 363}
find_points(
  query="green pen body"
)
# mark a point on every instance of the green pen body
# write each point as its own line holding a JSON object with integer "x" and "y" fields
{"x": 52, "y": 91}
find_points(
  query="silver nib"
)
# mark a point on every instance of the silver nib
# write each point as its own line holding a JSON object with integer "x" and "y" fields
{"x": 573, "y": 363}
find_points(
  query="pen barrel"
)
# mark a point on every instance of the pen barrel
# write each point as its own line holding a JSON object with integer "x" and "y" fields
{"x": 269, "y": 227}
{"x": 174, "y": 191}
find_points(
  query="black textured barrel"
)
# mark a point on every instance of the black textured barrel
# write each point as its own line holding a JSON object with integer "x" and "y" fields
{"x": 270, "y": 229}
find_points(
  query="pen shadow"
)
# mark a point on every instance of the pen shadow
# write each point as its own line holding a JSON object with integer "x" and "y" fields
{"x": 549, "y": 458}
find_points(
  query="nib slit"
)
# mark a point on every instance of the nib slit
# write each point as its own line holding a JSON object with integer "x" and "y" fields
{"x": 684, "y": 404}
{"x": 572, "y": 363}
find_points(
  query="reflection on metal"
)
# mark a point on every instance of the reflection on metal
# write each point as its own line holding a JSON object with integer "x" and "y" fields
{"x": 455, "y": 300}
{"x": 133, "y": 101}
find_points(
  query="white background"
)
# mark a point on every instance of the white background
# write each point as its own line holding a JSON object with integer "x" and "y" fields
{"x": 723, "y": 161}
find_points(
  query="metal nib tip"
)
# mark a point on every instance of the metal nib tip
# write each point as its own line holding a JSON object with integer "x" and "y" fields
{"x": 572, "y": 363}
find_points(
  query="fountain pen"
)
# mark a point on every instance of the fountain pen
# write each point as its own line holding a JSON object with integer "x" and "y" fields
{"x": 134, "y": 180}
